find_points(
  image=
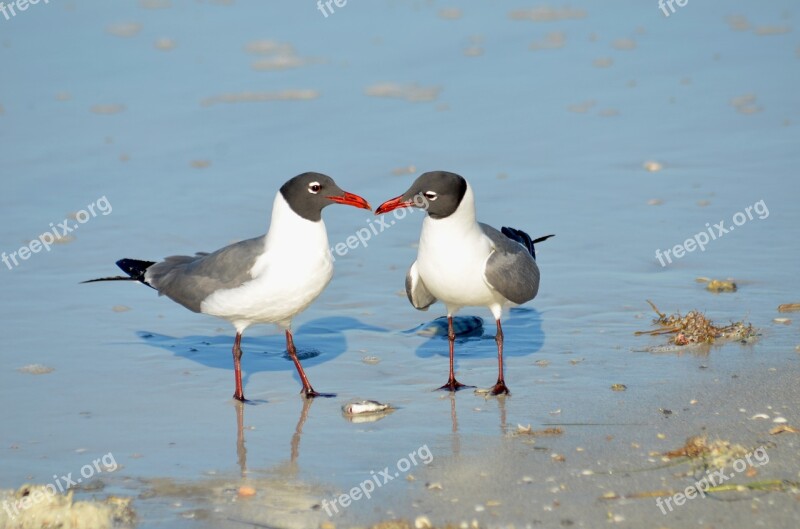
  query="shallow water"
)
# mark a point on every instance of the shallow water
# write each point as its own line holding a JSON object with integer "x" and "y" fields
{"x": 552, "y": 141}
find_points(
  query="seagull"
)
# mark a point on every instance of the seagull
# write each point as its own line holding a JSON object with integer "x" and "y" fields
{"x": 463, "y": 262}
{"x": 267, "y": 279}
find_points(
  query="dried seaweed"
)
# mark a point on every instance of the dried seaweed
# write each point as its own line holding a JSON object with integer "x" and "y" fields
{"x": 695, "y": 328}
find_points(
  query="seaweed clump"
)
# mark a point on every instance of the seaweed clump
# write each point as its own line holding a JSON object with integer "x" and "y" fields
{"x": 695, "y": 328}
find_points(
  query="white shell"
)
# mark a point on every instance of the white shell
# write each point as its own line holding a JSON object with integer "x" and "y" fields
{"x": 364, "y": 406}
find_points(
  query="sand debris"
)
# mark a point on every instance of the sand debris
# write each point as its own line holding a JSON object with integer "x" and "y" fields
{"x": 652, "y": 166}
{"x": 164, "y": 44}
{"x": 714, "y": 454}
{"x": 528, "y": 430}
{"x": 402, "y": 171}
{"x": 783, "y": 428}
{"x": 412, "y": 92}
{"x": 624, "y": 44}
{"x": 582, "y": 108}
{"x": 124, "y": 29}
{"x": 154, "y": 4}
{"x": 39, "y": 508}
{"x": 746, "y": 104}
{"x": 552, "y": 41}
{"x": 254, "y": 97}
{"x": 107, "y": 109}
{"x": 36, "y": 369}
{"x": 717, "y": 285}
{"x": 450, "y": 13}
{"x": 789, "y": 307}
{"x": 695, "y": 328}
{"x": 603, "y": 62}
{"x": 547, "y": 14}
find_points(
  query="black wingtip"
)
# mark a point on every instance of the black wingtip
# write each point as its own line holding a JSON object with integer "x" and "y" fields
{"x": 524, "y": 239}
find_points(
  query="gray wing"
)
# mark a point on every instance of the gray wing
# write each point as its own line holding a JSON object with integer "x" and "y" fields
{"x": 418, "y": 294}
{"x": 510, "y": 269}
{"x": 189, "y": 280}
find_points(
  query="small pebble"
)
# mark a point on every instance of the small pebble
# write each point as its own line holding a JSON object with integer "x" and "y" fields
{"x": 422, "y": 522}
{"x": 716, "y": 285}
{"x": 164, "y": 44}
{"x": 780, "y": 420}
{"x": 759, "y": 416}
{"x": 652, "y": 166}
{"x": 785, "y": 321}
{"x": 246, "y": 491}
{"x": 618, "y": 387}
{"x": 36, "y": 369}
{"x": 371, "y": 360}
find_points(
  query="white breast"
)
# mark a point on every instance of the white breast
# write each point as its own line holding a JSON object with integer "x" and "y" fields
{"x": 452, "y": 257}
{"x": 294, "y": 269}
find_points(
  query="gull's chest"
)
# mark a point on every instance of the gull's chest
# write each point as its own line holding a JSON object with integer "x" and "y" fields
{"x": 452, "y": 264}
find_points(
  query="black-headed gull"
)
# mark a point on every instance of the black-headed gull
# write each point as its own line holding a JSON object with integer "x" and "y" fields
{"x": 463, "y": 262}
{"x": 268, "y": 279}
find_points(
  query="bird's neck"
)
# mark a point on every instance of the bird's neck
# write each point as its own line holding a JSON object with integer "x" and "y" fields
{"x": 461, "y": 222}
{"x": 289, "y": 230}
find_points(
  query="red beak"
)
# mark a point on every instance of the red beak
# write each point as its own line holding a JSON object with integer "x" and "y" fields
{"x": 392, "y": 204}
{"x": 349, "y": 199}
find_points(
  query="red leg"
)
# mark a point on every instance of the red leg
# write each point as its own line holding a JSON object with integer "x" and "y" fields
{"x": 307, "y": 390}
{"x": 452, "y": 383}
{"x": 499, "y": 388}
{"x": 241, "y": 450}
{"x": 237, "y": 367}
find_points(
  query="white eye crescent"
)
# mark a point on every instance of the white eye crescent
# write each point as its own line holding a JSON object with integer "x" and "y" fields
{"x": 431, "y": 195}
{"x": 314, "y": 187}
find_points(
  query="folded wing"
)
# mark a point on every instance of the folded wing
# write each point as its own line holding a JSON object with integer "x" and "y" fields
{"x": 189, "y": 280}
{"x": 510, "y": 269}
{"x": 418, "y": 294}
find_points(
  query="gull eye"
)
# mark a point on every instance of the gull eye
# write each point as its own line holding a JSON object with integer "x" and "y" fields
{"x": 431, "y": 195}
{"x": 314, "y": 187}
